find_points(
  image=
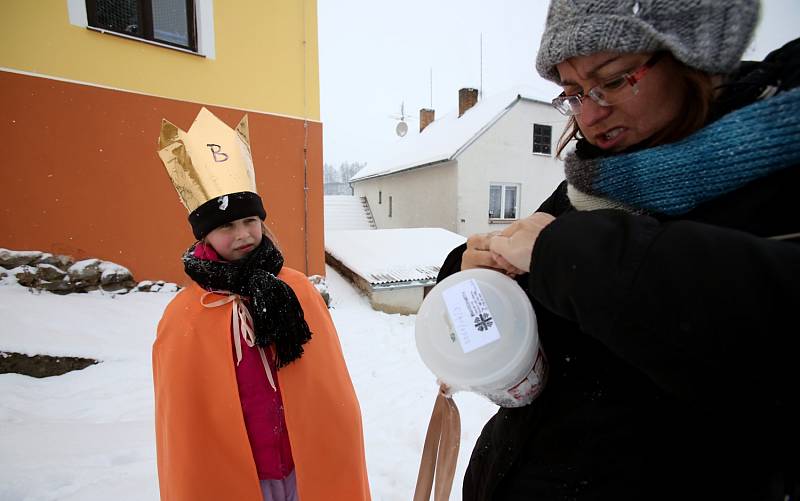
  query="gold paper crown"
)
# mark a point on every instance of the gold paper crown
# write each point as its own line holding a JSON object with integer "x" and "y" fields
{"x": 209, "y": 161}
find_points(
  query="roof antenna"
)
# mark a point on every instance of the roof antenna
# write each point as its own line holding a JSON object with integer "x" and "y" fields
{"x": 401, "y": 129}
{"x": 480, "y": 89}
{"x": 431, "y": 87}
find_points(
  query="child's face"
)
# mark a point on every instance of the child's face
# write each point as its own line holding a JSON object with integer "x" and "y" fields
{"x": 236, "y": 239}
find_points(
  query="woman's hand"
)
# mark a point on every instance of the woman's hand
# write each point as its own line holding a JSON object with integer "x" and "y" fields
{"x": 478, "y": 255}
{"x": 512, "y": 247}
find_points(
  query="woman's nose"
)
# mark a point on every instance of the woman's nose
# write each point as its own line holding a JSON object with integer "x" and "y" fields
{"x": 592, "y": 113}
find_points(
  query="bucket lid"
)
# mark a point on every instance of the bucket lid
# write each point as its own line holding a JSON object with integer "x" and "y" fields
{"x": 474, "y": 346}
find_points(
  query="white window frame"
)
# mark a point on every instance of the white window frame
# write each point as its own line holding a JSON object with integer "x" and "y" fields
{"x": 503, "y": 187}
{"x": 204, "y": 17}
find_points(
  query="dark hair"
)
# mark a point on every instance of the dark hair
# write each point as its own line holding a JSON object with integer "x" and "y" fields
{"x": 699, "y": 91}
{"x": 571, "y": 131}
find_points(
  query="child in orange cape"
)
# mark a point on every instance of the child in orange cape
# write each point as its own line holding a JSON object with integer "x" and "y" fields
{"x": 253, "y": 398}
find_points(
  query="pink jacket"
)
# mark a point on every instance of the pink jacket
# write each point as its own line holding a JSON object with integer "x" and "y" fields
{"x": 262, "y": 408}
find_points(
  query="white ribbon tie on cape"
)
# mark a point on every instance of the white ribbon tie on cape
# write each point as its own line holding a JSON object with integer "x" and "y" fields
{"x": 242, "y": 327}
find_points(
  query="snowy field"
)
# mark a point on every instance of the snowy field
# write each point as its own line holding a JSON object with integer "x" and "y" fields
{"x": 88, "y": 435}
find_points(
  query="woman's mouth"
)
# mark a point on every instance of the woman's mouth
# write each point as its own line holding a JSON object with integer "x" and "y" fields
{"x": 244, "y": 248}
{"x": 610, "y": 138}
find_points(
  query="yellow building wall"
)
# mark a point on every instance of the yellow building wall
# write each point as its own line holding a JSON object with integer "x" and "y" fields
{"x": 266, "y": 55}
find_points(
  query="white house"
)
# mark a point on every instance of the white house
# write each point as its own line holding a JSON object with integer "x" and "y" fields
{"x": 471, "y": 172}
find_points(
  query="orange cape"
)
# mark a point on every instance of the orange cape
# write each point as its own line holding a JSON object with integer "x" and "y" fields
{"x": 201, "y": 442}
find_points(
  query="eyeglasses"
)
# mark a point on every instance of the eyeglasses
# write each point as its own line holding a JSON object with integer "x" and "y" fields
{"x": 611, "y": 92}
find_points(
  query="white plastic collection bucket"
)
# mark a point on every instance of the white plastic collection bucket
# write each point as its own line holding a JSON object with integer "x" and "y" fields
{"x": 476, "y": 331}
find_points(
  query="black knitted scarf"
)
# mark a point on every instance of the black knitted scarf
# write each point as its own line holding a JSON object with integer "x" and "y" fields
{"x": 277, "y": 314}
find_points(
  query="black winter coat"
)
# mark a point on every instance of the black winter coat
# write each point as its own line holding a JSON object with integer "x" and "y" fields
{"x": 673, "y": 347}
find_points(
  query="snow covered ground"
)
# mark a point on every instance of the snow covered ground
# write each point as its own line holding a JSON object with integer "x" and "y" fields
{"x": 88, "y": 435}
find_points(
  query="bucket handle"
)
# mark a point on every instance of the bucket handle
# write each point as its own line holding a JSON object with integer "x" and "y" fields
{"x": 440, "y": 452}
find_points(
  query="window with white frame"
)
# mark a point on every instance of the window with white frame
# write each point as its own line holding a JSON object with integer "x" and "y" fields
{"x": 542, "y": 138}
{"x": 503, "y": 201}
{"x": 170, "y": 22}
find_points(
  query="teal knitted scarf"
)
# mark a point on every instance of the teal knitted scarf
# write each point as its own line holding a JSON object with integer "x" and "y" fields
{"x": 672, "y": 179}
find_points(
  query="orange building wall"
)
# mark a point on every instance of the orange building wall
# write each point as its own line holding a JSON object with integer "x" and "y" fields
{"x": 79, "y": 175}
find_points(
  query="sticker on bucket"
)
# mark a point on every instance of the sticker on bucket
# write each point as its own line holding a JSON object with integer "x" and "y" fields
{"x": 470, "y": 316}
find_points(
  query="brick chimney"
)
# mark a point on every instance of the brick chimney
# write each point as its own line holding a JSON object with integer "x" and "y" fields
{"x": 466, "y": 99}
{"x": 426, "y": 116}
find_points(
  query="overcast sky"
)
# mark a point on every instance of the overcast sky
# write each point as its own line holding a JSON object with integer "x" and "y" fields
{"x": 376, "y": 54}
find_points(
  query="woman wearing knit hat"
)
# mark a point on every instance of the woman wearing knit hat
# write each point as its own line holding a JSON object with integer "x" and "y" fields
{"x": 253, "y": 399}
{"x": 665, "y": 270}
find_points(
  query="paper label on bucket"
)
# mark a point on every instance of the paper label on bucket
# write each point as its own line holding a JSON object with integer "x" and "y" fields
{"x": 470, "y": 316}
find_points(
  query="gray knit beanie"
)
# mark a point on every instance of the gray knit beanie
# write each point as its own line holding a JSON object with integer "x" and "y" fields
{"x": 710, "y": 35}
